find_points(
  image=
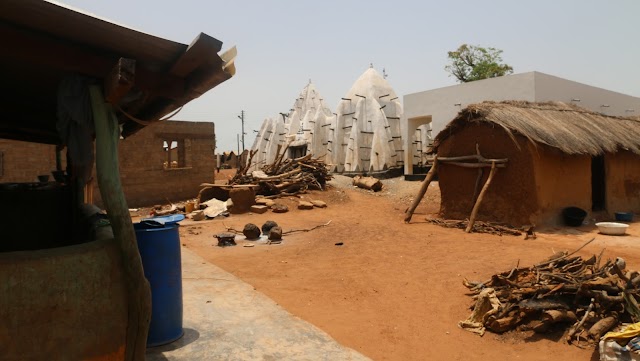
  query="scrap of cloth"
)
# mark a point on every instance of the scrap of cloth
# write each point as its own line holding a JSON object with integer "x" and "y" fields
{"x": 487, "y": 304}
{"x": 629, "y": 332}
{"x": 75, "y": 123}
{"x": 621, "y": 345}
{"x": 611, "y": 350}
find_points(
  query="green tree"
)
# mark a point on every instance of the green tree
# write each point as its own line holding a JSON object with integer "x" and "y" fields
{"x": 471, "y": 62}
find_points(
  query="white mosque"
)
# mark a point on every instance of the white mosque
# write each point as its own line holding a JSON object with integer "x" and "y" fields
{"x": 362, "y": 135}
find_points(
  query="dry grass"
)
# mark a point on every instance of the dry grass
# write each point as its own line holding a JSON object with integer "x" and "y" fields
{"x": 571, "y": 129}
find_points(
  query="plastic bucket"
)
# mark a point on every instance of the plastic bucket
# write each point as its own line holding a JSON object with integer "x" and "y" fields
{"x": 159, "y": 246}
{"x": 624, "y": 216}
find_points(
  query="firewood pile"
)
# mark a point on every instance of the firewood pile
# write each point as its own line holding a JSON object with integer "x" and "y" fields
{"x": 479, "y": 226}
{"x": 584, "y": 297}
{"x": 285, "y": 177}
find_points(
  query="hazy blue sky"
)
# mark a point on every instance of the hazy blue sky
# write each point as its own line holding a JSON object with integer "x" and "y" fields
{"x": 282, "y": 44}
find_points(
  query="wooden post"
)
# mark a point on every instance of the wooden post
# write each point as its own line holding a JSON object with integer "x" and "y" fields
{"x": 138, "y": 291}
{"x": 474, "y": 212}
{"x": 423, "y": 190}
{"x": 476, "y": 189}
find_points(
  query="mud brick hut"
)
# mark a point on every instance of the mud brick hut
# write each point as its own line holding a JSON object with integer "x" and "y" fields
{"x": 559, "y": 155}
{"x": 72, "y": 287}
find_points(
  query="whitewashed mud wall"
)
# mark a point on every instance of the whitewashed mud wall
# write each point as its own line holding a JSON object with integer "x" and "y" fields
{"x": 363, "y": 135}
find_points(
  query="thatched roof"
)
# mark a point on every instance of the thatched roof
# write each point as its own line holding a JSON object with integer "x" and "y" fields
{"x": 571, "y": 129}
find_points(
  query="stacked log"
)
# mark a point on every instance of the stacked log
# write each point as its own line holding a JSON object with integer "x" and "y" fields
{"x": 563, "y": 292}
{"x": 479, "y": 226}
{"x": 286, "y": 177}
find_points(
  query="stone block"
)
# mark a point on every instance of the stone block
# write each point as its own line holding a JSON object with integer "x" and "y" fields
{"x": 319, "y": 204}
{"x": 243, "y": 199}
{"x": 305, "y": 205}
{"x": 259, "y": 209}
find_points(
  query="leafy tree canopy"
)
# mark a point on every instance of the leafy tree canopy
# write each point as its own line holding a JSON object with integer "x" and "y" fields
{"x": 471, "y": 62}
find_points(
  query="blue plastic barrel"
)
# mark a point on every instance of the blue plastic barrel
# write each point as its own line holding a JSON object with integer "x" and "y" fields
{"x": 159, "y": 246}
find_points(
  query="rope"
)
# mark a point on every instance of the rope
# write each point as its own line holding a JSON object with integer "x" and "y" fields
{"x": 147, "y": 122}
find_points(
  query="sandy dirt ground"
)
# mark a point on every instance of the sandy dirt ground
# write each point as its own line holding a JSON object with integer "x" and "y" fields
{"x": 393, "y": 291}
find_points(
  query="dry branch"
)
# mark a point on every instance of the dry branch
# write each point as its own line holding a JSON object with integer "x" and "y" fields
{"x": 479, "y": 226}
{"x": 564, "y": 291}
{"x": 286, "y": 177}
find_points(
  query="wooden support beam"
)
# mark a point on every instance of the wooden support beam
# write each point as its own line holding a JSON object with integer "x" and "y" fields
{"x": 476, "y": 188}
{"x": 423, "y": 190}
{"x": 474, "y": 212}
{"x": 138, "y": 291}
{"x": 120, "y": 80}
{"x": 203, "y": 49}
{"x": 476, "y": 157}
{"x": 474, "y": 165}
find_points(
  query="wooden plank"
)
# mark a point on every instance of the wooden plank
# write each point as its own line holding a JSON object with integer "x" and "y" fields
{"x": 202, "y": 50}
{"x": 475, "y": 165}
{"x": 108, "y": 173}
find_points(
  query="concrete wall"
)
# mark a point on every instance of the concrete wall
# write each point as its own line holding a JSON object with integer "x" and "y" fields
{"x": 66, "y": 303}
{"x": 440, "y": 103}
{"x": 622, "y": 182}
{"x": 552, "y": 88}
{"x": 146, "y": 181}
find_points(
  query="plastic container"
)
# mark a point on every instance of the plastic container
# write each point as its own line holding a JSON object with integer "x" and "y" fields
{"x": 573, "y": 216}
{"x": 159, "y": 246}
{"x": 612, "y": 228}
{"x": 624, "y": 216}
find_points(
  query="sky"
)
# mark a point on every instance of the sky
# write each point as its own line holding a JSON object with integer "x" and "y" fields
{"x": 282, "y": 44}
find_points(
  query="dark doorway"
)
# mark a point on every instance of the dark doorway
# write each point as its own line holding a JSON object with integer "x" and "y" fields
{"x": 297, "y": 151}
{"x": 597, "y": 183}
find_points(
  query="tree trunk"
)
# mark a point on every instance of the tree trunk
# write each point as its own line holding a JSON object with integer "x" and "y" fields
{"x": 138, "y": 291}
{"x": 369, "y": 183}
{"x": 601, "y": 327}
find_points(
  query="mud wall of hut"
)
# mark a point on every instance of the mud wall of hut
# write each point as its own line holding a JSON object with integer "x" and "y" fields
{"x": 511, "y": 198}
{"x": 622, "y": 182}
{"x": 562, "y": 180}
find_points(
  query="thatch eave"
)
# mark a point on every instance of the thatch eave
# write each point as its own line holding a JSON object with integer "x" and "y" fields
{"x": 569, "y": 128}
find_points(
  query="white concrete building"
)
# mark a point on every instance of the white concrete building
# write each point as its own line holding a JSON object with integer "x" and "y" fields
{"x": 439, "y": 106}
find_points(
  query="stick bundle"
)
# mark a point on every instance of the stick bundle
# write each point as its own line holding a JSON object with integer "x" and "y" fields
{"x": 581, "y": 296}
{"x": 286, "y": 177}
{"x": 479, "y": 226}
